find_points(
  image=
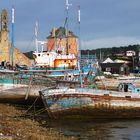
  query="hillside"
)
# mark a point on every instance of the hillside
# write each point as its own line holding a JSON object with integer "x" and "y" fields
{"x": 114, "y": 52}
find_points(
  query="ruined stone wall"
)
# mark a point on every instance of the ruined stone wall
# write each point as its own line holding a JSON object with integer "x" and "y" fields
{"x": 5, "y": 52}
{"x": 20, "y": 58}
{"x": 5, "y": 45}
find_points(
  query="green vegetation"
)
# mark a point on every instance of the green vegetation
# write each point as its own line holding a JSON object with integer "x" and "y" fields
{"x": 113, "y": 53}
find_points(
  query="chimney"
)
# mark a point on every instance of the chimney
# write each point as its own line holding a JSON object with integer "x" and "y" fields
{"x": 53, "y": 31}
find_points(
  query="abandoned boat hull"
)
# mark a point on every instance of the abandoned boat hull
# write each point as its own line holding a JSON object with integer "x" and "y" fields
{"x": 92, "y": 104}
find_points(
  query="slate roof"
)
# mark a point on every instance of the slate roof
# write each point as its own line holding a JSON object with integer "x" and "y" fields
{"x": 61, "y": 33}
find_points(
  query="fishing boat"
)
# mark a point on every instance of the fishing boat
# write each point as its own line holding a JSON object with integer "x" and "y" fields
{"x": 59, "y": 57}
{"x": 72, "y": 102}
{"x": 67, "y": 102}
{"x": 59, "y": 61}
{"x": 14, "y": 84}
{"x": 54, "y": 60}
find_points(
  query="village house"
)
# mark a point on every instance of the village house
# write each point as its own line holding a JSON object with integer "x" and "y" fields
{"x": 115, "y": 68}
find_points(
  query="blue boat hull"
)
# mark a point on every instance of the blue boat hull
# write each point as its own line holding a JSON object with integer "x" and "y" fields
{"x": 92, "y": 106}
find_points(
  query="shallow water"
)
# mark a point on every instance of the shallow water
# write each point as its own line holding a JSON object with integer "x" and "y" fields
{"x": 99, "y": 129}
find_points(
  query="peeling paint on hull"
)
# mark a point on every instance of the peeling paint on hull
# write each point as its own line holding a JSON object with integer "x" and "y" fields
{"x": 94, "y": 105}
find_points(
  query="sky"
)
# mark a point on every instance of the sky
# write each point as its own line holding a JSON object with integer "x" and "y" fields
{"x": 104, "y": 23}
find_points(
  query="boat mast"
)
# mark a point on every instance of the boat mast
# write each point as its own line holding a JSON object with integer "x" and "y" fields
{"x": 36, "y": 34}
{"x": 67, "y": 25}
{"x": 12, "y": 37}
{"x": 79, "y": 33}
{"x": 79, "y": 46}
{"x": 37, "y": 42}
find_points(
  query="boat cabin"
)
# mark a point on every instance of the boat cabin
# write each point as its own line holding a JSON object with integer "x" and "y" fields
{"x": 128, "y": 87}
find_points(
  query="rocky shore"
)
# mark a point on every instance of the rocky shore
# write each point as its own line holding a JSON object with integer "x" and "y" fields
{"x": 14, "y": 126}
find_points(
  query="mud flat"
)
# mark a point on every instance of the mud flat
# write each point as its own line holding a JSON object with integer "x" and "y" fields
{"x": 20, "y": 99}
{"x": 14, "y": 126}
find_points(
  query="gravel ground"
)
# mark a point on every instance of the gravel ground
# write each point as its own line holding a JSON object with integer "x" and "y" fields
{"x": 15, "y": 127}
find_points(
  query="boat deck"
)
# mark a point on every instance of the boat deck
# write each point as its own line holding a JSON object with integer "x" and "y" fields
{"x": 90, "y": 92}
{"x": 21, "y": 95}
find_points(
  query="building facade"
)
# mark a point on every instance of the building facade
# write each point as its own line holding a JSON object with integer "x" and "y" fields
{"x": 57, "y": 41}
{"x": 5, "y": 45}
{"x": 115, "y": 68}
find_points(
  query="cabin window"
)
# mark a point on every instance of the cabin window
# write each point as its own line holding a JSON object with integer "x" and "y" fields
{"x": 108, "y": 69}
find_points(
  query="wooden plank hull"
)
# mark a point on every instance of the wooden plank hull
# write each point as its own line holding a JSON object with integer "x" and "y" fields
{"x": 92, "y": 105}
{"x": 17, "y": 95}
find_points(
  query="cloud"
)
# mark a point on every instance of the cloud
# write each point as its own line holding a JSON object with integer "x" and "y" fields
{"x": 99, "y": 19}
{"x": 109, "y": 42}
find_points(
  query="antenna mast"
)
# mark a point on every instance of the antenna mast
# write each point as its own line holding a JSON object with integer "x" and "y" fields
{"x": 67, "y": 25}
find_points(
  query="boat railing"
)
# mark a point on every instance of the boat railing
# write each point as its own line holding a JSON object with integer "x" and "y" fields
{"x": 73, "y": 91}
{"x": 48, "y": 92}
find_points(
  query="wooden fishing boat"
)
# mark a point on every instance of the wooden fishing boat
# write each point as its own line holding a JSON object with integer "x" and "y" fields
{"x": 22, "y": 88}
{"x": 64, "y": 101}
{"x": 93, "y": 103}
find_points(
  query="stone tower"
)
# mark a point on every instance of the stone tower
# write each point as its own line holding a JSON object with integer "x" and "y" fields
{"x": 4, "y": 38}
{"x": 57, "y": 39}
{"x": 5, "y": 45}
{"x": 4, "y": 21}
